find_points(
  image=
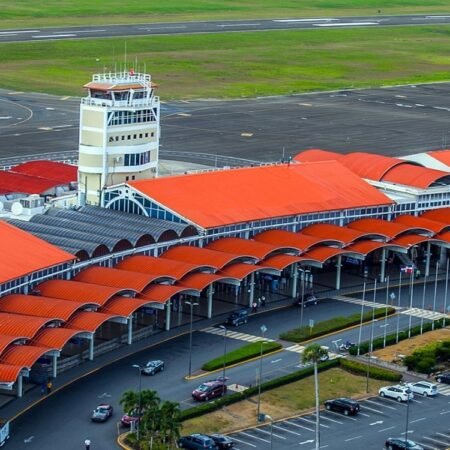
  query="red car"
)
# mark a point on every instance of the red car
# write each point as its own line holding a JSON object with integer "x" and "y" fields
{"x": 209, "y": 389}
{"x": 127, "y": 419}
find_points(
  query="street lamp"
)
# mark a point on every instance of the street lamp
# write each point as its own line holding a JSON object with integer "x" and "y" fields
{"x": 371, "y": 336}
{"x": 223, "y": 327}
{"x": 137, "y": 366}
{"x": 191, "y": 304}
{"x": 271, "y": 430}
{"x": 263, "y": 329}
{"x": 87, "y": 444}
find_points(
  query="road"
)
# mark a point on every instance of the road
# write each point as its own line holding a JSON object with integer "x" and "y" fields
{"x": 218, "y": 26}
{"x": 62, "y": 421}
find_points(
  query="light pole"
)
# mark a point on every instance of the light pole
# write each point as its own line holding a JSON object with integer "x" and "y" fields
{"x": 399, "y": 304}
{"x": 223, "y": 327}
{"x": 302, "y": 304}
{"x": 371, "y": 336}
{"x": 87, "y": 444}
{"x": 362, "y": 316}
{"x": 271, "y": 430}
{"x": 411, "y": 290}
{"x": 407, "y": 419}
{"x": 386, "y": 312}
{"x": 435, "y": 293}
{"x": 191, "y": 304}
{"x": 137, "y": 366}
{"x": 446, "y": 292}
{"x": 263, "y": 329}
{"x": 423, "y": 301}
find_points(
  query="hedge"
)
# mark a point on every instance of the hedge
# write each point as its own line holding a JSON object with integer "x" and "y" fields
{"x": 391, "y": 338}
{"x": 206, "y": 408}
{"x": 427, "y": 358}
{"x": 378, "y": 373}
{"x": 335, "y": 324}
{"x": 242, "y": 354}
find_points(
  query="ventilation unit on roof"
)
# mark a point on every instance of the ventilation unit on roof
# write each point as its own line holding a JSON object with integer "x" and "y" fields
{"x": 17, "y": 208}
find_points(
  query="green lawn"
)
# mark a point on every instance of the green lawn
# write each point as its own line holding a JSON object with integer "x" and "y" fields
{"x": 239, "y": 64}
{"x": 30, "y": 13}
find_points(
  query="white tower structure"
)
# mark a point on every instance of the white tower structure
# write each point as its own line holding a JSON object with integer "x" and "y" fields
{"x": 119, "y": 133}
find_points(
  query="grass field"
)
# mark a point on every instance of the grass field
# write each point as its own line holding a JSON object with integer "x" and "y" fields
{"x": 239, "y": 64}
{"x": 30, "y": 13}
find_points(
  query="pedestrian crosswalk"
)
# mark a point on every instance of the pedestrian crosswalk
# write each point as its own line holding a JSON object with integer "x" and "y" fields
{"x": 358, "y": 301}
{"x": 297, "y": 348}
{"x": 235, "y": 335}
{"x": 425, "y": 314}
{"x": 443, "y": 389}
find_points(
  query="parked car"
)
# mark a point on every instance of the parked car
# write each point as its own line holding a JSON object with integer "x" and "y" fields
{"x": 424, "y": 388}
{"x": 443, "y": 377}
{"x": 197, "y": 442}
{"x": 127, "y": 419}
{"x": 401, "y": 444}
{"x": 397, "y": 392}
{"x": 210, "y": 389}
{"x": 343, "y": 405}
{"x": 102, "y": 413}
{"x": 238, "y": 318}
{"x": 153, "y": 367}
{"x": 222, "y": 442}
{"x": 306, "y": 300}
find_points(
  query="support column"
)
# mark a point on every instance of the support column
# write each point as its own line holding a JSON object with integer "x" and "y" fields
{"x": 338, "y": 272}
{"x": 168, "y": 306}
{"x": 55, "y": 365}
{"x": 443, "y": 256}
{"x": 383, "y": 265}
{"x": 210, "y": 298}
{"x": 91, "y": 349}
{"x": 130, "y": 330}
{"x": 294, "y": 280}
{"x": 427, "y": 260}
{"x": 252, "y": 290}
{"x": 19, "y": 386}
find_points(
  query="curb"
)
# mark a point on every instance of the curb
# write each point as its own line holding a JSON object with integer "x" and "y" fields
{"x": 121, "y": 441}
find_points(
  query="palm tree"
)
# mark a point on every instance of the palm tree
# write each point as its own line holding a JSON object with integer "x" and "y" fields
{"x": 170, "y": 422}
{"x": 129, "y": 401}
{"x": 314, "y": 353}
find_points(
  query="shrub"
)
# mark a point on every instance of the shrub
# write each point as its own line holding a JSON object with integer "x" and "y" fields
{"x": 378, "y": 373}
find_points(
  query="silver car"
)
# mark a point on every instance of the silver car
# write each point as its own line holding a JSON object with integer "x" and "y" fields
{"x": 397, "y": 392}
{"x": 424, "y": 388}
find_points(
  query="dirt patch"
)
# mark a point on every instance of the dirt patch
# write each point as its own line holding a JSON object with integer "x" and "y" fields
{"x": 394, "y": 353}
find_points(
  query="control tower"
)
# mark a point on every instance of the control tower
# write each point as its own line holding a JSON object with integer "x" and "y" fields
{"x": 119, "y": 133}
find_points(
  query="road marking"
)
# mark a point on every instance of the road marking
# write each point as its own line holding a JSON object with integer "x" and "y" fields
{"x": 300, "y": 426}
{"x": 49, "y": 108}
{"x": 419, "y": 104}
{"x": 53, "y": 36}
{"x": 19, "y": 31}
{"x": 5, "y": 117}
{"x": 28, "y": 440}
{"x": 243, "y": 442}
{"x": 286, "y": 430}
{"x": 89, "y": 31}
{"x": 378, "y": 422}
{"x": 45, "y": 128}
{"x": 302, "y": 20}
{"x": 254, "y": 437}
{"x": 380, "y": 404}
{"x": 306, "y": 442}
{"x": 385, "y": 429}
{"x": 344, "y": 24}
{"x": 435, "y": 440}
{"x": 353, "y": 438}
{"x": 323, "y": 416}
{"x": 444, "y": 412}
{"x": 65, "y": 98}
{"x": 305, "y": 104}
{"x": 262, "y": 430}
{"x": 417, "y": 420}
{"x": 62, "y": 126}
{"x": 239, "y": 25}
{"x": 313, "y": 422}
{"x": 246, "y": 134}
{"x": 163, "y": 28}
{"x": 362, "y": 414}
{"x": 184, "y": 114}
{"x": 15, "y": 92}
{"x": 276, "y": 361}
{"x": 442, "y": 434}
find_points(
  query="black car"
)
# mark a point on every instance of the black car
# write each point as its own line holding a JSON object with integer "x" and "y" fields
{"x": 443, "y": 378}
{"x": 306, "y": 300}
{"x": 197, "y": 442}
{"x": 401, "y": 444}
{"x": 222, "y": 442}
{"x": 238, "y": 318}
{"x": 344, "y": 405}
{"x": 153, "y": 367}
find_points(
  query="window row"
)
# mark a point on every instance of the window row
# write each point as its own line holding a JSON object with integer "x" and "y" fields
{"x": 137, "y": 159}
{"x": 130, "y": 117}
{"x": 129, "y": 137}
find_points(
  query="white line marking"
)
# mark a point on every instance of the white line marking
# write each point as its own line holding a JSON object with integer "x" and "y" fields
{"x": 269, "y": 433}
{"x": 353, "y": 438}
{"x": 243, "y": 442}
{"x": 254, "y": 437}
{"x": 385, "y": 429}
{"x": 286, "y": 430}
{"x": 53, "y": 36}
{"x": 162, "y": 28}
{"x": 62, "y": 126}
{"x": 19, "y": 31}
{"x": 347, "y": 24}
{"x": 240, "y": 25}
{"x": 417, "y": 420}
{"x": 299, "y": 426}
{"x": 89, "y": 31}
{"x": 302, "y": 20}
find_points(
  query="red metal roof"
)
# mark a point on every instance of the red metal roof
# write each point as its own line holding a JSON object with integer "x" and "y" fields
{"x": 409, "y": 240}
{"x": 201, "y": 256}
{"x": 170, "y": 268}
{"x": 240, "y": 270}
{"x": 32, "y": 305}
{"x": 247, "y": 248}
{"x": 432, "y": 226}
{"x": 226, "y": 197}
{"x": 410, "y": 175}
{"x": 439, "y": 214}
{"x": 123, "y": 306}
{"x": 381, "y": 227}
{"x": 162, "y": 293}
{"x": 19, "y": 325}
{"x": 77, "y": 291}
{"x": 6, "y": 340}
{"x": 89, "y": 321}
{"x": 50, "y": 170}
{"x": 124, "y": 279}
{"x": 316, "y": 155}
{"x": 26, "y": 184}
{"x": 339, "y": 234}
{"x": 9, "y": 373}
{"x": 22, "y": 253}
{"x": 441, "y": 155}
{"x": 24, "y": 355}
{"x": 55, "y": 337}
{"x": 301, "y": 242}
{"x": 323, "y": 254}
{"x": 366, "y": 247}
{"x": 280, "y": 262}
{"x": 200, "y": 281}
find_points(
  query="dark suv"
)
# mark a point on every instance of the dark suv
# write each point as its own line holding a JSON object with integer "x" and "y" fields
{"x": 238, "y": 318}
{"x": 443, "y": 377}
{"x": 197, "y": 442}
{"x": 210, "y": 389}
{"x": 306, "y": 300}
{"x": 343, "y": 405}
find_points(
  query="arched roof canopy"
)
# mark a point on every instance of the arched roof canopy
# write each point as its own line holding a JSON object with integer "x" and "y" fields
{"x": 78, "y": 291}
{"x": 9, "y": 373}
{"x": 444, "y": 237}
{"x": 317, "y": 155}
{"x": 123, "y": 306}
{"x": 24, "y": 355}
{"x": 90, "y": 321}
{"x": 420, "y": 177}
{"x": 6, "y": 341}
{"x": 389, "y": 230}
{"x": 200, "y": 281}
{"x": 439, "y": 214}
{"x": 55, "y": 337}
{"x": 125, "y": 279}
{"x": 196, "y": 255}
{"x": 241, "y": 270}
{"x": 298, "y": 241}
{"x": 410, "y": 240}
{"x": 323, "y": 254}
{"x": 339, "y": 234}
{"x": 432, "y": 226}
{"x": 170, "y": 268}
{"x": 366, "y": 247}
{"x": 168, "y": 235}
{"x": 162, "y": 293}
{"x": 20, "y": 325}
{"x": 280, "y": 262}
{"x": 250, "y": 248}
{"x": 32, "y": 305}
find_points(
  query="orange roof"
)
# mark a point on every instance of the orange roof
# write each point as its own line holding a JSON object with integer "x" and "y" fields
{"x": 323, "y": 254}
{"x": 125, "y": 279}
{"x": 22, "y": 253}
{"x": 409, "y": 240}
{"x": 246, "y": 247}
{"x": 440, "y": 215}
{"x": 200, "y": 281}
{"x": 170, "y": 268}
{"x": 410, "y": 175}
{"x": 432, "y": 226}
{"x": 24, "y": 355}
{"x": 280, "y": 262}
{"x": 55, "y": 337}
{"x": 9, "y": 373}
{"x": 18, "y": 325}
{"x": 51, "y": 170}
{"x": 366, "y": 247}
{"x": 6, "y": 340}
{"x": 224, "y": 197}
{"x": 378, "y": 226}
{"x": 298, "y": 241}
{"x": 444, "y": 236}
{"x": 202, "y": 256}
{"x": 441, "y": 155}
{"x": 77, "y": 291}
{"x": 316, "y": 155}
{"x": 162, "y": 293}
{"x": 123, "y": 306}
{"x": 32, "y": 305}
{"x": 329, "y": 231}
{"x": 89, "y": 321}
{"x": 240, "y": 270}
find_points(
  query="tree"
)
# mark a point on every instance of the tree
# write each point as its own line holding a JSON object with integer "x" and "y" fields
{"x": 170, "y": 424}
{"x": 129, "y": 401}
{"x": 314, "y": 353}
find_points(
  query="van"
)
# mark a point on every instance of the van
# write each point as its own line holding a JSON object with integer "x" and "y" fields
{"x": 238, "y": 318}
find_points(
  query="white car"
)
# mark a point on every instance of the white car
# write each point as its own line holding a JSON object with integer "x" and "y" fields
{"x": 424, "y": 388}
{"x": 397, "y": 392}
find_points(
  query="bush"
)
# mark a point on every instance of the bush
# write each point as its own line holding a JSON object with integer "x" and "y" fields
{"x": 329, "y": 326}
{"x": 242, "y": 354}
{"x": 424, "y": 359}
{"x": 378, "y": 373}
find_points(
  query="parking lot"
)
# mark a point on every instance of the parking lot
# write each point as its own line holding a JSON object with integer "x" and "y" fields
{"x": 379, "y": 418}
